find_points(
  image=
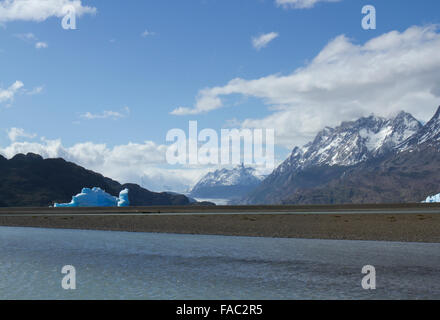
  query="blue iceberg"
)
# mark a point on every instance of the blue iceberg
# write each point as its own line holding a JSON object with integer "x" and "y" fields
{"x": 432, "y": 199}
{"x": 96, "y": 197}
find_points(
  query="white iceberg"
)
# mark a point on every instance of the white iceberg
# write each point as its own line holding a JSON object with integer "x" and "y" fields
{"x": 432, "y": 199}
{"x": 123, "y": 199}
{"x": 96, "y": 197}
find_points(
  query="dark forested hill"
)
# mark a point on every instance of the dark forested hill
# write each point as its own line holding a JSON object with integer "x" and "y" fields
{"x": 31, "y": 181}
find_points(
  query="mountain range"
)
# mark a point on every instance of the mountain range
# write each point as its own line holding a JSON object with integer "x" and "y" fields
{"x": 370, "y": 160}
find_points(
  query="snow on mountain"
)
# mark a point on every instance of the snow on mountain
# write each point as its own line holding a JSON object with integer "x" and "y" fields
{"x": 239, "y": 175}
{"x": 430, "y": 133}
{"x": 227, "y": 183}
{"x": 352, "y": 142}
{"x": 333, "y": 168}
{"x": 432, "y": 199}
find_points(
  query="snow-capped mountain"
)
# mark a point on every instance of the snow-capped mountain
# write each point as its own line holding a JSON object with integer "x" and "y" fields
{"x": 332, "y": 152}
{"x": 239, "y": 175}
{"x": 408, "y": 174}
{"x": 352, "y": 142}
{"x": 430, "y": 134}
{"x": 226, "y": 183}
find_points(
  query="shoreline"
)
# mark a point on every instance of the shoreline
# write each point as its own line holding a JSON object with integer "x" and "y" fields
{"x": 422, "y": 207}
{"x": 402, "y": 227}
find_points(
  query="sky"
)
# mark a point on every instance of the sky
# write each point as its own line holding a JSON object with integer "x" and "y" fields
{"x": 105, "y": 94}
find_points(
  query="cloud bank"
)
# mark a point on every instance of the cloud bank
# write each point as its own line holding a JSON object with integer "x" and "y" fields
{"x": 141, "y": 163}
{"x": 392, "y": 72}
{"x": 39, "y": 10}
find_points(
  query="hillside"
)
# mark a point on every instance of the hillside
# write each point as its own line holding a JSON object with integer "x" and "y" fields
{"x": 406, "y": 177}
{"x": 31, "y": 181}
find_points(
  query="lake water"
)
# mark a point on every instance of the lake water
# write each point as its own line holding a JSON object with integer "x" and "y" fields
{"x": 218, "y": 202}
{"x": 120, "y": 265}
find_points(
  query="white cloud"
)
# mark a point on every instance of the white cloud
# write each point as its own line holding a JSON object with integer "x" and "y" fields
{"x": 177, "y": 180}
{"x": 147, "y": 33}
{"x": 9, "y": 93}
{"x": 26, "y": 36}
{"x": 107, "y": 114}
{"x": 39, "y": 10}
{"x": 31, "y": 38}
{"x": 207, "y": 100}
{"x": 300, "y": 4}
{"x": 41, "y": 45}
{"x": 142, "y": 163}
{"x": 263, "y": 40}
{"x": 95, "y": 156}
{"x": 36, "y": 90}
{"x": 395, "y": 71}
{"x": 16, "y": 133}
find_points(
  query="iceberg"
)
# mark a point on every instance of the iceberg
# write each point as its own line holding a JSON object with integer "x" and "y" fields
{"x": 432, "y": 199}
{"x": 123, "y": 199}
{"x": 96, "y": 197}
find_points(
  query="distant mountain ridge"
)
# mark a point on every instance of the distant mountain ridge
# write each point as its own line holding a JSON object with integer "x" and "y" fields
{"x": 226, "y": 183}
{"x": 320, "y": 171}
{"x": 353, "y": 142}
{"x": 370, "y": 160}
{"x": 31, "y": 181}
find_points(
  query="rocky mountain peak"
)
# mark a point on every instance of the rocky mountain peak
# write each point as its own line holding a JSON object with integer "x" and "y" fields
{"x": 227, "y": 183}
{"x": 334, "y": 167}
{"x": 428, "y": 134}
{"x": 239, "y": 175}
{"x": 353, "y": 142}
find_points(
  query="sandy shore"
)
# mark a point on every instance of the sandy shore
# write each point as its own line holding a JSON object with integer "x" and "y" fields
{"x": 413, "y": 227}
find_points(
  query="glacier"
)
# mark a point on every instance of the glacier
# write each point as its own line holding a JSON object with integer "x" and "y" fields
{"x": 96, "y": 197}
{"x": 432, "y": 199}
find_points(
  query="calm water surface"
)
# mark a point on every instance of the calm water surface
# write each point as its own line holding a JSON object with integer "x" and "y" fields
{"x": 121, "y": 265}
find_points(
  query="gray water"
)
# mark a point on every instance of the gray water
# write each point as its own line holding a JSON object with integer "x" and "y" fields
{"x": 120, "y": 265}
{"x": 218, "y": 202}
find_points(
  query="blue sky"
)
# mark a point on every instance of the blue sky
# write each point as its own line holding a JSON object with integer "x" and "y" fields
{"x": 107, "y": 83}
